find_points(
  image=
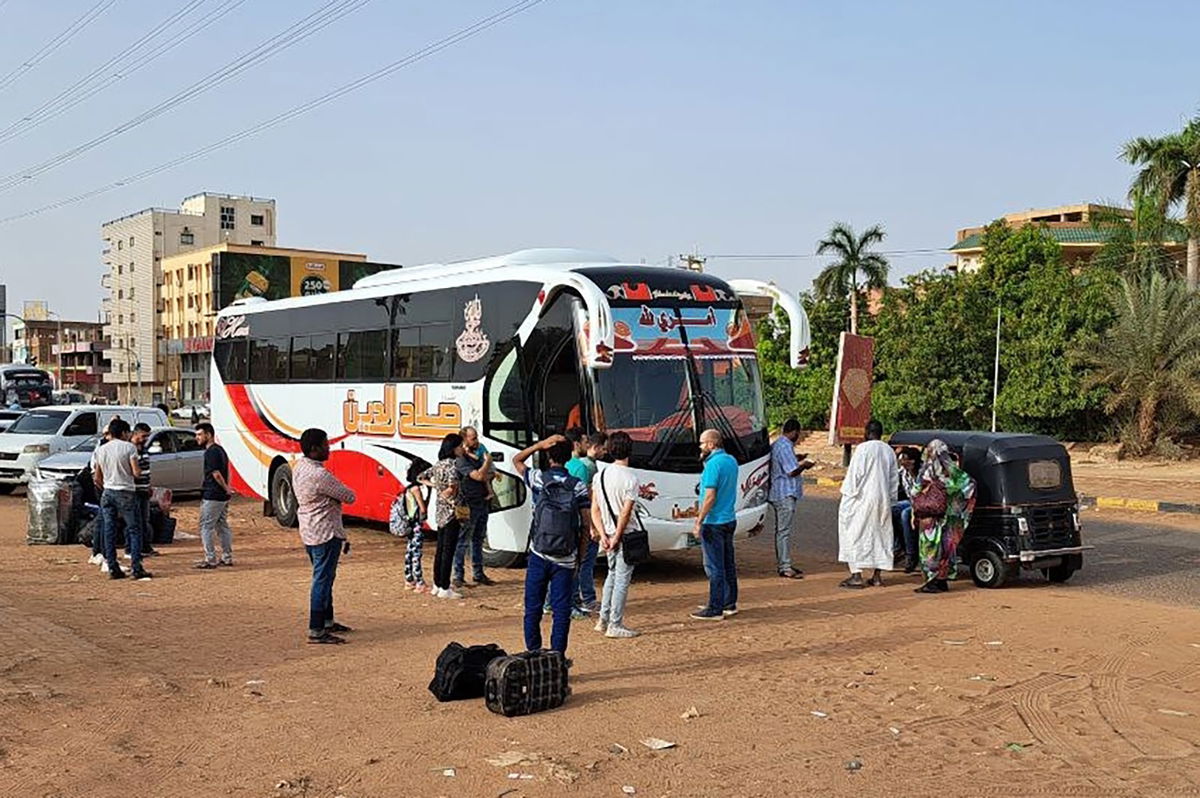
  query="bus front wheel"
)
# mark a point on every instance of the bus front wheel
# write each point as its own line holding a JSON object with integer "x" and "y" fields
{"x": 498, "y": 558}
{"x": 283, "y": 498}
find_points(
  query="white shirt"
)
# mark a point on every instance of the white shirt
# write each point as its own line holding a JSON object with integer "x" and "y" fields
{"x": 113, "y": 458}
{"x": 619, "y": 484}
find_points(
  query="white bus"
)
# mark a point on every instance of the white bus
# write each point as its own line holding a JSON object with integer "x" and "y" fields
{"x": 519, "y": 346}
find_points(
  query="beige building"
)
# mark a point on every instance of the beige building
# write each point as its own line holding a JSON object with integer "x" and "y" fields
{"x": 1072, "y": 226}
{"x": 134, "y": 247}
{"x": 199, "y": 282}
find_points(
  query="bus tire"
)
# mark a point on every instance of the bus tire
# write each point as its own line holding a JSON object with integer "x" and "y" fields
{"x": 498, "y": 558}
{"x": 283, "y": 498}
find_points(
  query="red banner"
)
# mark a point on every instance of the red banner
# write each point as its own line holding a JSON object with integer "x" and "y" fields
{"x": 852, "y": 390}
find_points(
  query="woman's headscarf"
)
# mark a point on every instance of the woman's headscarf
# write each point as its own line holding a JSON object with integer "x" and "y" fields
{"x": 938, "y": 464}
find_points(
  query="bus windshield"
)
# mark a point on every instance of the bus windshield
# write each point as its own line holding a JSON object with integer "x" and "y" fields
{"x": 677, "y": 371}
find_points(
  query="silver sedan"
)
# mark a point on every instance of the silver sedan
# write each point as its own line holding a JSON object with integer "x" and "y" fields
{"x": 176, "y": 460}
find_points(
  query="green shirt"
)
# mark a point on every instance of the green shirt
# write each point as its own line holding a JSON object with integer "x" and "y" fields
{"x": 583, "y": 469}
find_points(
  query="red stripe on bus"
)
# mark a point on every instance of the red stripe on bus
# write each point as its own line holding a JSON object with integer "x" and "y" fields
{"x": 255, "y": 424}
{"x": 373, "y": 485}
{"x": 240, "y": 485}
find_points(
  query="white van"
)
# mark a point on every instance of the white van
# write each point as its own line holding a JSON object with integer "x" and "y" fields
{"x": 44, "y": 431}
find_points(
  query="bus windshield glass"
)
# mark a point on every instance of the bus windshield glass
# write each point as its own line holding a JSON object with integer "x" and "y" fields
{"x": 679, "y": 370}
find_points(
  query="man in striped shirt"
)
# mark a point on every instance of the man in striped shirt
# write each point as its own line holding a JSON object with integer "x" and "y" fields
{"x": 141, "y": 483}
{"x": 319, "y": 499}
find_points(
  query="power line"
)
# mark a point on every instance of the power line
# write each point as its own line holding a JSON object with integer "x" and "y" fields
{"x": 314, "y": 22}
{"x": 58, "y": 41}
{"x": 113, "y": 70}
{"x": 804, "y": 256}
{"x": 412, "y": 58}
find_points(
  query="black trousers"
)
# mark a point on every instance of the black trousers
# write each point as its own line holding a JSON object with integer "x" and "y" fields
{"x": 443, "y": 559}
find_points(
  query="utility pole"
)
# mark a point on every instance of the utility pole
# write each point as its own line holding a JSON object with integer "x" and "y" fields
{"x": 996, "y": 370}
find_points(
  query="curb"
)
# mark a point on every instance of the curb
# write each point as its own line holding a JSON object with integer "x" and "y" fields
{"x": 1085, "y": 502}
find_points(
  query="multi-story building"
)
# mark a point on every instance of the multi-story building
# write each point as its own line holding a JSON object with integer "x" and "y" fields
{"x": 1072, "y": 226}
{"x": 199, "y": 282}
{"x": 75, "y": 352}
{"x": 134, "y": 247}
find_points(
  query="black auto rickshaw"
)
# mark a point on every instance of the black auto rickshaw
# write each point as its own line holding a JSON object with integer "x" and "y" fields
{"x": 1026, "y": 509}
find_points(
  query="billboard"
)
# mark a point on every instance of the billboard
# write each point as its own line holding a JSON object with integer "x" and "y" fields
{"x": 237, "y": 275}
{"x": 852, "y": 390}
{"x": 35, "y": 310}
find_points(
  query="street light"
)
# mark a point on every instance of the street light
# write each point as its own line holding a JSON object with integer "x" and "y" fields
{"x": 137, "y": 364}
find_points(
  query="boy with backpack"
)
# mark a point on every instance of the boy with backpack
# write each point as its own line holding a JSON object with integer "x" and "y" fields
{"x": 559, "y": 534}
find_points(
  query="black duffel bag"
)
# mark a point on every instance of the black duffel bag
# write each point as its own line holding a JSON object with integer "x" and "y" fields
{"x": 461, "y": 670}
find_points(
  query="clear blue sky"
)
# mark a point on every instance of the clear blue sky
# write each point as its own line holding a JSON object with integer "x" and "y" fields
{"x": 643, "y": 128}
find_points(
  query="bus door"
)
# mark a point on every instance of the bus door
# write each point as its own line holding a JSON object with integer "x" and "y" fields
{"x": 552, "y": 362}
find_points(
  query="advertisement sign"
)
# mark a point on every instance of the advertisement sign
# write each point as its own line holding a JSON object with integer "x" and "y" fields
{"x": 852, "y": 390}
{"x": 238, "y": 275}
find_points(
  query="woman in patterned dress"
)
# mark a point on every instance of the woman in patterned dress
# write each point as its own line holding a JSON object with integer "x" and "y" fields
{"x": 939, "y": 536}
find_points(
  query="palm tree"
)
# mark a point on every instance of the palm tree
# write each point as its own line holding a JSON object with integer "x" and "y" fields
{"x": 1169, "y": 167}
{"x": 1136, "y": 243}
{"x": 1150, "y": 357}
{"x": 840, "y": 278}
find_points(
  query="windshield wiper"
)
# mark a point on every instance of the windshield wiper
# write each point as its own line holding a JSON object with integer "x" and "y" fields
{"x": 724, "y": 424}
{"x": 664, "y": 444}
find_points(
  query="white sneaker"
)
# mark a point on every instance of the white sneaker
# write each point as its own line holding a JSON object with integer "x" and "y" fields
{"x": 451, "y": 594}
{"x": 126, "y": 556}
{"x": 95, "y": 559}
{"x": 601, "y": 626}
{"x": 620, "y": 631}
{"x": 104, "y": 566}
{"x": 435, "y": 591}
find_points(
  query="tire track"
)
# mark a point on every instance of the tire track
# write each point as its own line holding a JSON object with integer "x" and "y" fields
{"x": 1111, "y": 697}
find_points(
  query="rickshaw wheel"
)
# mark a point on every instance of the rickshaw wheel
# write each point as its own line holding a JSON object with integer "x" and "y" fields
{"x": 988, "y": 569}
{"x": 1059, "y": 573}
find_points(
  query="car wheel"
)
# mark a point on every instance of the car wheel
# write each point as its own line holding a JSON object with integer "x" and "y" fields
{"x": 1059, "y": 573}
{"x": 283, "y": 497}
{"x": 988, "y": 569}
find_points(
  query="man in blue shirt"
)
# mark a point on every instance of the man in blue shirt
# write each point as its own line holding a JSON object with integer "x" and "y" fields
{"x": 715, "y": 525}
{"x": 786, "y": 489}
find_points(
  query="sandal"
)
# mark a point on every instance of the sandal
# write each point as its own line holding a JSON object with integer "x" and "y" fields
{"x": 791, "y": 573}
{"x": 928, "y": 587}
{"x": 852, "y": 584}
{"x": 326, "y": 640}
{"x": 875, "y": 581}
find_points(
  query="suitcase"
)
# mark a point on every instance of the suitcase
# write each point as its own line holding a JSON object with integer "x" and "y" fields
{"x": 461, "y": 670}
{"x": 526, "y": 683}
{"x": 54, "y": 508}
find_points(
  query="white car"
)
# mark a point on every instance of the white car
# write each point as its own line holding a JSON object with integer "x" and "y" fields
{"x": 185, "y": 411}
{"x": 44, "y": 431}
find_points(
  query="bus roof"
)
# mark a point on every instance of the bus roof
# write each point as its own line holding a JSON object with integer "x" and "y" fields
{"x": 533, "y": 265}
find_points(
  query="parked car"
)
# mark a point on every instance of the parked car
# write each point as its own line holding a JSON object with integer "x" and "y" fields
{"x": 25, "y": 385}
{"x": 69, "y": 396}
{"x": 185, "y": 411}
{"x": 176, "y": 460}
{"x": 44, "y": 431}
{"x": 7, "y": 417}
{"x": 1026, "y": 509}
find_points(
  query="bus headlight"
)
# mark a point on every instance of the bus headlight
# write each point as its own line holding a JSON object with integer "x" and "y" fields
{"x": 757, "y": 497}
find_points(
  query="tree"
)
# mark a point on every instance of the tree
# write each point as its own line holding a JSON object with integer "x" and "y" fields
{"x": 1169, "y": 168}
{"x": 1135, "y": 244}
{"x": 1150, "y": 358}
{"x": 804, "y": 394}
{"x": 840, "y": 278}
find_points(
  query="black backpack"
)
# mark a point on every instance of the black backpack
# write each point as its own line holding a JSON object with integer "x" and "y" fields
{"x": 526, "y": 683}
{"x": 461, "y": 670}
{"x": 555, "y": 518}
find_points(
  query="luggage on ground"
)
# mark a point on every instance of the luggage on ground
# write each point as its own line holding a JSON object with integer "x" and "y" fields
{"x": 526, "y": 683}
{"x": 461, "y": 670}
{"x": 55, "y": 506}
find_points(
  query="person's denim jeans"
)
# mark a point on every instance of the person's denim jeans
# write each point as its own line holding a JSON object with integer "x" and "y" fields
{"x": 122, "y": 504}
{"x": 583, "y": 591}
{"x": 906, "y": 534}
{"x": 324, "y": 560}
{"x": 541, "y": 576}
{"x": 147, "y": 532}
{"x": 716, "y": 541}
{"x": 474, "y": 534}
{"x": 616, "y": 588}
{"x": 785, "y": 512}
{"x": 98, "y": 533}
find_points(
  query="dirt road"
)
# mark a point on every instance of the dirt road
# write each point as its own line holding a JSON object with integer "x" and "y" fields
{"x": 200, "y": 684}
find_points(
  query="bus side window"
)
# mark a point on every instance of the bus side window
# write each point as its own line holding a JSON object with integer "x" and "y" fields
{"x": 362, "y": 356}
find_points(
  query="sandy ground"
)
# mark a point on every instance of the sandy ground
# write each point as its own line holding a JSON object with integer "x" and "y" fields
{"x": 200, "y": 684}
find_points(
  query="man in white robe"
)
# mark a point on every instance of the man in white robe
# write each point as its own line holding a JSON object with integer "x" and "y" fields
{"x": 865, "y": 513}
